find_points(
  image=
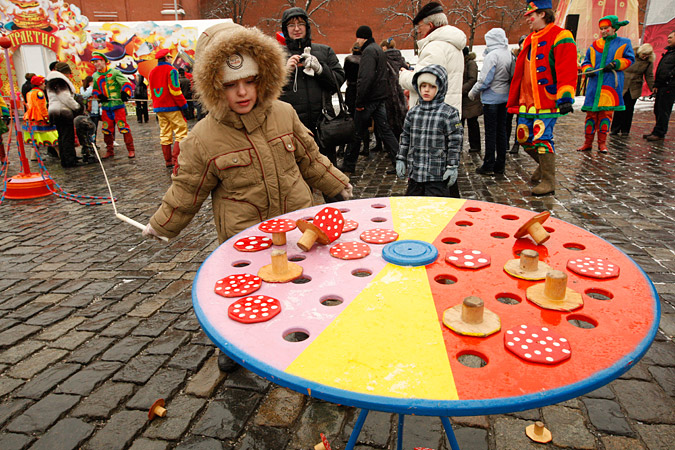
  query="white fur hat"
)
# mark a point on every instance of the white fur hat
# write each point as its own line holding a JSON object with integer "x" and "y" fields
{"x": 426, "y": 77}
{"x": 238, "y": 66}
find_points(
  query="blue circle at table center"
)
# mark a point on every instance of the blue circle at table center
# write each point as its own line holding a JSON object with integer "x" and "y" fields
{"x": 409, "y": 253}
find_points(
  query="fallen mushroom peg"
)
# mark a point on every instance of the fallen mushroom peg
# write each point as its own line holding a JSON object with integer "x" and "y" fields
{"x": 323, "y": 445}
{"x": 157, "y": 409}
{"x": 534, "y": 228}
{"x": 278, "y": 228}
{"x": 325, "y": 228}
{"x": 538, "y": 433}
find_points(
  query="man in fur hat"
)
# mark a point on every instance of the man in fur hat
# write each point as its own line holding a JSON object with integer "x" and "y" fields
{"x": 605, "y": 61}
{"x": 440, "y": 44}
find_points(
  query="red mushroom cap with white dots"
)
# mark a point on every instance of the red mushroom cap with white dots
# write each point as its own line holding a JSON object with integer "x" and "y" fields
{"x": 331, "y": 222}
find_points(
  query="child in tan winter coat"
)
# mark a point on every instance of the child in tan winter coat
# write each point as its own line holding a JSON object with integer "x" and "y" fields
{"x": 251, "y": 153}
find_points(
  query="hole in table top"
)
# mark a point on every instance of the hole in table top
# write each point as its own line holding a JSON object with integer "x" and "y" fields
{"x": 445, "y": 279}
{"x": 344, "y": 210}
{"x": 473, "y": 209}
{"x": 508, "y": 298}
{"x": 378, "y": 205}
{"x": 296, "y": 335}
{"x": 308, "y": 218}
{"x": 378, "y": 219}
{"x": 241, "y": 263}
{"x": 362, "y": 273}
{"x": 297, "y": 258}
{"x": 581, "y": 321}
{"x": 302, "y": 279}
{"x": 599, "y": 294}
{"x": 331, "y": 300}
{"x": 499, "y": 235}
{"x": 450, "y": 240}
{"x": 472, "y": 359}
{"x": 464, "y": 223}
{"x": 549, "y": 229}
{"x": 574, "y": 246}
{"x": 510, "y": 217}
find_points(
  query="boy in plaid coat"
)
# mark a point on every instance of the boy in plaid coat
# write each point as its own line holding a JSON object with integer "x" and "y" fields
{"x": 431, "y": 141}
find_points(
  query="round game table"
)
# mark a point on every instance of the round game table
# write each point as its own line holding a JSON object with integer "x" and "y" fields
{"x": 370, "y": 334}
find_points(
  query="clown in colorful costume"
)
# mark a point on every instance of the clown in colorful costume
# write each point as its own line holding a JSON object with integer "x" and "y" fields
{"x": 112, "y": 89}
{"x": 542, "y": 89}
{"x": 168, "y": 102}
{"x": 605, "y": 61}
{"x": 36, "y": 128}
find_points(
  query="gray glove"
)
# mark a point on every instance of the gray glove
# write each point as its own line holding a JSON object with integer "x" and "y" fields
{"x": 400, "y": 170}
{"x": 312, "y": 65}
{"x": 450, "y": 175}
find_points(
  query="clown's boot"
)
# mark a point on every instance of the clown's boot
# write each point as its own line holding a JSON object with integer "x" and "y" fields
{"x": 109, "y": 140}
{"x": 602, "y": 141}
{"x": 129, "y": 141}
{"x": 166, "y": 151}
{"x": 536, "y": 175}
{"x": 176, "y": 152}
{"x": 588, "y": 143}
{"x": 547, "y": 185}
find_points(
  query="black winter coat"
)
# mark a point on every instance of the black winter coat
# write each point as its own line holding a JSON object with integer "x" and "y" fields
{"x": 352, "y": 76}
{"x": 372, "y": 81}
{"x": 665, "y": 72}
{"x": 396, "y": 59}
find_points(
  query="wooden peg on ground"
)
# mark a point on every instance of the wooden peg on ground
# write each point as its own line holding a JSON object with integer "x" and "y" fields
{"x": 534, "y": 228}
{"x": 323, "y": 445}
{"x": 538, "y": 432}
{"x": 528, "y": 266}
{"x": 471, "y": 318}
{"x": 157, "y": 409}
{"x": 554, "y": 293}
{"x": 281, "y": 270}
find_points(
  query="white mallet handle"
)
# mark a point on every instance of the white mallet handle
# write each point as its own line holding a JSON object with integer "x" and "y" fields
{"x": 138, "y": 225}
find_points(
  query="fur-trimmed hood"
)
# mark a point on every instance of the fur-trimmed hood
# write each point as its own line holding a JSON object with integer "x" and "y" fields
{"x": 222, "y": 40}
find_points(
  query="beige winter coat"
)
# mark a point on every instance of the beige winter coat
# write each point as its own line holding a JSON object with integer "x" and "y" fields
{"x": 641, "y": 69}
{"x": 255, "y": 166}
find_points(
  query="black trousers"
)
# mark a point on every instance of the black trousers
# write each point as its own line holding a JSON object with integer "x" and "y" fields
{"x": 663, "y": 106}
{"x": 431, "y": 189}
{"x": 378, "y": 113}
{"x": 495, "y": 136}
{"x": 142, "y": 111}
{"x": 623, "y": 119}
{"x": 63, "y": 120}
{"x": 474, "y": 132}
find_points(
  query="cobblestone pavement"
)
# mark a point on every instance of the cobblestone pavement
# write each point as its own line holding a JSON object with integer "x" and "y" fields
{"x": 96, "y": 322}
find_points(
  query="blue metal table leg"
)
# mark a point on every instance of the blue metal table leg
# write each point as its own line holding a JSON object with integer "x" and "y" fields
{"x": 451, "y": 434}
{"x": 399, "y": 435}
{"x": 357, "y": 429}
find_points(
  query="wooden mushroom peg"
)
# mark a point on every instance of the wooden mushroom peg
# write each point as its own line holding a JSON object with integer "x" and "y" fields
{"x": 471, "y": 318}
{"x": 534, "y": 228}
{"x": 278, "y": 228}
{"x": 281, "y": 270}
{"x": 528, "y": 266}
{"x": 554, "y": 293}
{"x": 538, "y": 433}
{"x": 323, "y": 445}
{"x": 157, "y": 409}
{"x": 325, "y": 228}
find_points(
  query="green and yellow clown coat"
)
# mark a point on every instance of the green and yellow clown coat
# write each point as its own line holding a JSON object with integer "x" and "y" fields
{"x": 604, "y": 89}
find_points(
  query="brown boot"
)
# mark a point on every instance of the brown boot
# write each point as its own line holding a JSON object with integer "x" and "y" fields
{"x": 534, "y": 154}
{"x": 166, "y": 151}
{"x": 108, "y": 139}
{"x": 3, "y": 155}
{"x": 547, "y": 185}
{"x": 602, "y": 141}
{"x": 129, "y": 141}
{"x": 175, "y": 153}
{"x": 588, "y": 144}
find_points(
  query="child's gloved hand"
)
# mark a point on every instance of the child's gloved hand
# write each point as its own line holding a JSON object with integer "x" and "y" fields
{"x": 450, "y": 175}
{"x": 150, "y": 232}
{"x": 566, "y": 108}
{"x": 347, "y": 192}
{"x": 400, "y": 170}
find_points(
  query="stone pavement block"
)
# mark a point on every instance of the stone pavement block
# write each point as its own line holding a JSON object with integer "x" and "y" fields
{"x": 13, "y": 441}
{"x": 148, "y": 307}
{"x": 9, "y": 384}
{"x": 36, "y": 363}
{"x": 175, "y": 288}
{"x": 91, "y": 350}
{"x": 126, "y": 349}
{"x": 164, "y": 385}
{"x": 621, "y": 443}
{"x": 59, "y": 329}
{"x": 421, "y": 431}
{"x": 28, "y": 311}
{"x": 180, "y": 413}
{"x": 190, "y": 357}
{"x": 257, "y": 438}
{"x": 103, "y": 400}
{"x": 71, "y": 340}
{"x": 318, "y": 417}
{"x": 50, "y": 316}
{"x": 129, "y": 302}
{"x": 660, "y": 354}
{"x": 187, "y": 322}
{"x": 148, "y": 444}
{"x": 11, "y": 408}
{"x": 7, "y": 323}
{"x": 206, "y": 380}
{"x": 16, "y": 301}
{"x": 43, "y": 414}
{"x": 645, "y": 402}
{"x": 603, "y": 392}
{"x": 567, "y": 427}
{"x": 50, "y": 299}
{"x": 48, "y": 286}
{"x": 471, "y": 438}
{"x": 141, "y": 368}
{"x": 122, "y": 289}
{"x": 168, "y": 342}
{"x": 45, "y": 381}
{"x": 119, "y": 431}
{"x": 96, "y": 308}
{"x": 245, "y": 379}
{"x": 665, "y": 376}
{"x": 98, "y": 322}
{"x": 155, "y": 325}
{"x": 377, "y": 429}
{"x": 657, "y": 437}
{"x": 471, "y": 421}
{"x": 280, "y": 408}
{"x": 667, "y": 325}
{"x": 179, "y": 304}
{"x": 86, "y": 380}
{"x": 67, "y": 434}
{"x": 638, "y": 372}
{"x": 121, "y": 327}
{"x": 510, "y": 434}
{"x": 226, "y": 417}
{"x": 15, "y": 334}
{"x": 606, "y": 416}
{"x": 20, "y": 351}
{"x": 71, "y": 286}
{"x": 153, "y": 286}
{"x": 202, "y": 443}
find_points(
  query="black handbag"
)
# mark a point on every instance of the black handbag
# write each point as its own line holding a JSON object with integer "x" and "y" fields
{"x": 334, "y": 130}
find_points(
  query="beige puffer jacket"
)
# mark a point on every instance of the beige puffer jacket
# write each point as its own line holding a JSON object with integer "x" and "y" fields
{"x": 255, "y": 166}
